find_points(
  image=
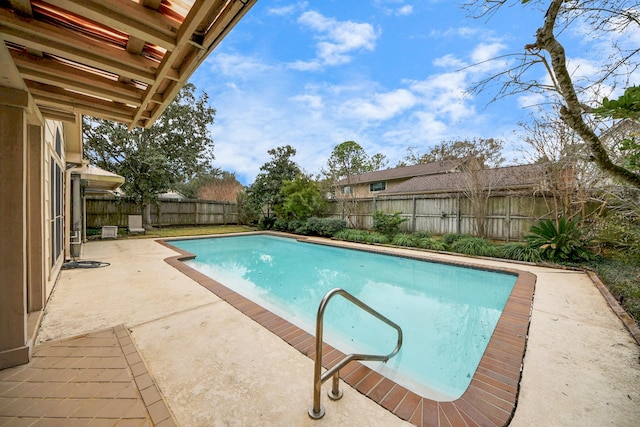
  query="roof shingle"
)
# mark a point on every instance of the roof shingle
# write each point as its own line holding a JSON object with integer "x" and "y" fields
{"x": 510, "y": 177}
{"x": 440, "y": 167}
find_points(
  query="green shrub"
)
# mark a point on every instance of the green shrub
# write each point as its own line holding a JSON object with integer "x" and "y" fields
{"x": 475, "y": 246}
{"x": 404, "y": 239}
{"x": 616, "y": 232}
{"x": 519, "y": 252}
{"x": 377, "y": 238}
{"x": 351, "y": 235}
{"x": 325, "y": 227}
{"x": 558, "y": 243}
{"x": 266, "y": 222}
{"x": 449, "y": 238}
{"x": 431, "y": 243}
{"x": 622, "y": 277}
{"x": 299, "y": 227}
{"x": 422, "y": 234}
{"x": 388, "y": 224}
{"x": 281, "y": 225}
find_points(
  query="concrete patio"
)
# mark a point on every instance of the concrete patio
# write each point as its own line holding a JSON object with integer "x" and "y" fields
{"x": 212, "y": 366}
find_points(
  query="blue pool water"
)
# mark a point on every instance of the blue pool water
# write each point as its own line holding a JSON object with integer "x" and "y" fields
{"x": 447, "y": 313}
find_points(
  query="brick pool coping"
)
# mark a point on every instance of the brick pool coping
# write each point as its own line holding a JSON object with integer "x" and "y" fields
{"x": 490, "y": 399}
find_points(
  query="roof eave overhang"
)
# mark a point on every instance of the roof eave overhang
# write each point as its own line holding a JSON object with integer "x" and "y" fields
{"x": 119, "y": 60}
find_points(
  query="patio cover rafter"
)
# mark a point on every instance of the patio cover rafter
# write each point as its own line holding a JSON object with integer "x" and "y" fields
{"x": 123, "y": 60}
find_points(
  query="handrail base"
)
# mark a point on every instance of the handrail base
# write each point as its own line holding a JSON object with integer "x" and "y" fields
{"x": 334, "y": 396}
{"x": 316, "y": 415}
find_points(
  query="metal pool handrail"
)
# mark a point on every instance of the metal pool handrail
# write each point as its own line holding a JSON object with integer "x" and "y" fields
{"x": 316, "y": 411}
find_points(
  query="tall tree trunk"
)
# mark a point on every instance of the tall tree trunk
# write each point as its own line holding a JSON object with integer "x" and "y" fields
{"x": 571, "y": 113}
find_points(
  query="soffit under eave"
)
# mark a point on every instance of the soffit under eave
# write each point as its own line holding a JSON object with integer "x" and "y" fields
{"x": 70, "y": 74}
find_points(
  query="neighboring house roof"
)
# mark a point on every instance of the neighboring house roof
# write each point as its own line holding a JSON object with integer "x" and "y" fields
{"x": 620, "y": 130}
{"x": 440, "y": 167}
{"x": 510, "y": 177}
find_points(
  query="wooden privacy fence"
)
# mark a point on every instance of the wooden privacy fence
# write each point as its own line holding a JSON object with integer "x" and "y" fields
{"x": 508, "y": 216}
{"x": 165, "y": 212}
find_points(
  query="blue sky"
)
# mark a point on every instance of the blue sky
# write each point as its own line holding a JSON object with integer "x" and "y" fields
{"x": 388, "y": 74}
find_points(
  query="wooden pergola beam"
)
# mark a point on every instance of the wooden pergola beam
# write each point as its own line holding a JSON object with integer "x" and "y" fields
{"x": 60, "y": 99}
{"x": 64, "y": 43}
{"x": 56, "y": 73}
{"x": 126, "y": 16}
{"x": 119, "y": 59}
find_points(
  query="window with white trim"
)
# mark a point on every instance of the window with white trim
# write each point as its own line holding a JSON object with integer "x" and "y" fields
{"x": 377, "y": 186}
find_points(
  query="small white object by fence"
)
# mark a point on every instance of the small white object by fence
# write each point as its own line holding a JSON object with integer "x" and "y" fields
{"x": 109, "y": 232}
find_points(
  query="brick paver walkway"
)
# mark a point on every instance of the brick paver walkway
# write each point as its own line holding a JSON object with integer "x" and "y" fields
{"x": 96, "y": 379}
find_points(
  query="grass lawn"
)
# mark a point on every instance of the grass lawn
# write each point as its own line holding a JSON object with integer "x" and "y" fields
{"x": 165, "y": 232}
{"x": 190, "y": 231}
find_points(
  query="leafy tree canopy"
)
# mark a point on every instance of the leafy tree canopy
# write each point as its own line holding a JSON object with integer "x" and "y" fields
{"x": 174, "y": 150}
{"x": 627, "y": 106}
{"x": 348, "y": 159}
{"x": 302, "y": 199}
{"x": 265, "y": 190}
{"x": 487, "y": 152}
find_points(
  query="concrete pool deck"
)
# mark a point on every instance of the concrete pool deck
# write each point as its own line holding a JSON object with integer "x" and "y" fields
{"x": 215, "y": 366}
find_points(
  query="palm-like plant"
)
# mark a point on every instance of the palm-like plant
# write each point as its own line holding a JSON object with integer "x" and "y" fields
{"x": 561, "y": 241}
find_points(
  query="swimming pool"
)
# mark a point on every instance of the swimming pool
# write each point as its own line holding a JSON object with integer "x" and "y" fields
{"x": 447, "y": 313}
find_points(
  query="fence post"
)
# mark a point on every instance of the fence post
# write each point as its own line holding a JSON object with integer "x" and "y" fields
{"x": 458, "y": 214}
{"x": 508, "y": 218}
{"x": 224, "y": 213}
{"x": 413, "y": 216}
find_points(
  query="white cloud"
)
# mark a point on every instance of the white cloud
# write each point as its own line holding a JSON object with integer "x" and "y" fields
{"x": 287, "y": 10}
{"x": 404, "y": 10}
{"x": 237, "y": 66}
{"x": 531, "y": 100}
{"x": 394, "y": 7}
{"x": 449, "y": 61}
{"x": 338, "y": 40}
{"x": 305, "y": 65}
{"x": 485, "y": 57}
{"x": 464, "y": 32}
{"x": 381, "y": 106}
{"x": 311, "y": 101}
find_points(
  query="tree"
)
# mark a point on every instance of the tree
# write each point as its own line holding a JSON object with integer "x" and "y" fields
{"x": 627, "y": 108}
{"x": 475, "y": 157}
{"x": 302, "y": 199}
{"x": 265, "y": 190}
{"x": 347, "y": 160}
{"x": 606, "y": 19}
{"x": 571, "y": 177}
{"x": 213, "y": 184}
{"x": 173, "y": 150}
{"x": 488, "y": 152}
